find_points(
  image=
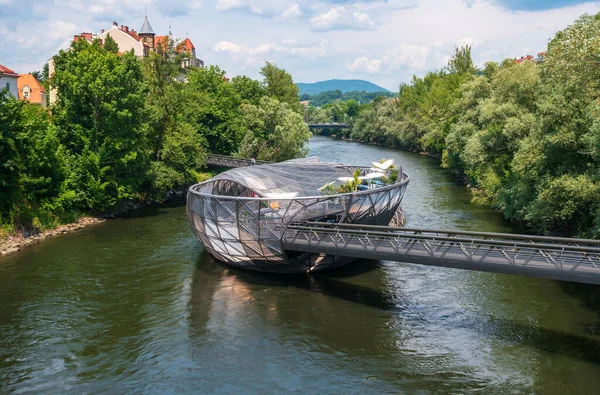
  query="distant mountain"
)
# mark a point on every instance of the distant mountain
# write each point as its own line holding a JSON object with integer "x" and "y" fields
{"x": 343, "y": 85}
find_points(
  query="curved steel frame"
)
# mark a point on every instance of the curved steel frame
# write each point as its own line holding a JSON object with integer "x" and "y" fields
{"x": 248, "y": 232}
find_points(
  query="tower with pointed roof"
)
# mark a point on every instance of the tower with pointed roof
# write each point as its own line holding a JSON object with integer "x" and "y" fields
{"x": 146, "y": 33}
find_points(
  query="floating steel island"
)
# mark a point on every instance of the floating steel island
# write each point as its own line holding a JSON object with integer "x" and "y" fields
{"x": 241, "y": 215}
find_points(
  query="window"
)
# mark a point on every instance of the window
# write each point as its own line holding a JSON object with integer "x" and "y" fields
{"x": 26, "y": 93}
{"x": 8, "y": 85}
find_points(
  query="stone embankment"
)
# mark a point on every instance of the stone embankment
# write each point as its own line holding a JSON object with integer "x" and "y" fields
{"x": 15, "y": 243}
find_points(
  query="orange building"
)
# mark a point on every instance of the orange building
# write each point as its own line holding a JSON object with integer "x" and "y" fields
{"x": 31, "y": 90}
{"x": 524, "y": 58}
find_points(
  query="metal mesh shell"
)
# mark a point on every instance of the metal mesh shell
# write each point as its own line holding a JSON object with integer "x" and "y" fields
{"x": 241, "y": 215}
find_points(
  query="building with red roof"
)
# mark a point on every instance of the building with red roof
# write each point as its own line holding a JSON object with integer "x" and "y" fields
{"x": 142, "y": 42}
{"x": 8, "y": 80}
{"x": 524, "y": 59}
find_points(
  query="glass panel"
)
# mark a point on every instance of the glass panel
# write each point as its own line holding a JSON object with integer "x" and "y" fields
{"x": 235, "y": 248}
{"x": 228, "y": 230}
{"x": 211, "y": 229}
{"x": 198, "y": 223}
{"x": 226, "y": 210}
{"x": 253, "y": 249}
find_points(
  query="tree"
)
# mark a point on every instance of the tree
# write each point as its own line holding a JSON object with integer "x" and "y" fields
{"x": 101, "y": 116}
{"x": 352, "y": 108}
{"x": 37, "y": 75}
{"x": 217, "y": 115}
{"x": 274, "y": 132}
{"x": 461, "y": 61}
{"x": 31, "y": 166}
{"x": 174, "y": 142}
{"x": 249, "y": 90}
{"x": 280, "y": 85}
{"x": 111, "y": 45}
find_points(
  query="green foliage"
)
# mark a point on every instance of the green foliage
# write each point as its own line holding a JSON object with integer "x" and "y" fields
{"x": 127, "y": 129}
{"x": 249, "y": 90}
{"x": 101, "y": 116}
{"x": 274, "y": 132}
{"x": 31, "y": 161}
{"x": 279, "y": 85}
{"x": 174, "y": 142}
{"x": 525, "y": 136}
{"x": 329, "y": 97}
{"x": 335, "y": 112}
{"x": 461, "y": 62}
{"x": 351, "y": 185}
{"x": 111, "y": 45}
{"x": 217, "y": 114}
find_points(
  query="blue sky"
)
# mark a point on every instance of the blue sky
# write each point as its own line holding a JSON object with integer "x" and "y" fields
{"x": 383, "y": 41}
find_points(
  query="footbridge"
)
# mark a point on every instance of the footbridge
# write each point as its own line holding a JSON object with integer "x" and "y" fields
{"x": 231, "y": 162}
{"x": 556, "y": 258}
{"x": 328, "y": 126}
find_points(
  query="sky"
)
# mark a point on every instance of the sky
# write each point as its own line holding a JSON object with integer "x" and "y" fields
{"x": 382, "y": 41}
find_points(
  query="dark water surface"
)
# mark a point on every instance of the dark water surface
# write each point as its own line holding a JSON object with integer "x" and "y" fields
{"x": 136, "y": 305}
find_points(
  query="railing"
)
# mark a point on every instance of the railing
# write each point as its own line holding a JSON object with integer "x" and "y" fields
{"x": 328, "y": 126}
{"x": 555, "y": 258}
{"x": 229, "y": 161}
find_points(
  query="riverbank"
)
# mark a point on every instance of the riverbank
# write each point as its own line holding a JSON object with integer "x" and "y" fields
{"x": 16, "y": 242}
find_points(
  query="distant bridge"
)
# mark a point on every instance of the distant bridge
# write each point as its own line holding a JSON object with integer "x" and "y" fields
{"x": 230, "y": 161}
{"x": 328, "y": 126}
{"x": 556, "y": 258}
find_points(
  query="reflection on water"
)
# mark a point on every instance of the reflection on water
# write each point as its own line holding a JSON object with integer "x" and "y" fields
{"x": 136, "y": 305}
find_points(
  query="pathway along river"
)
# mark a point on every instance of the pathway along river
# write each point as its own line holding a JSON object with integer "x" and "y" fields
{"x": 136, "y": 305}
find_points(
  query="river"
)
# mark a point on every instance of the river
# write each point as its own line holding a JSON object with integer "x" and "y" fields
{"x": 136, "y": 305}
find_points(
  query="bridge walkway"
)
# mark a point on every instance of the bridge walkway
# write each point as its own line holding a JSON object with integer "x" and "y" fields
{"x": 231, "y": 162}
{"x": 328, "y": 126}
{"x": 556, "y": 258}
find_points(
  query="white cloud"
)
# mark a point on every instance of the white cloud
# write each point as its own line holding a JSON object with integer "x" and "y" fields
{"x": 403, "y": 55}
{"x": 412, "y": 56}
{"x": 292, "y": 12}
{"x": 59, "y": 30}
{"x": 279, "y": 9}
{"x": 386, "y": 41}
{"x": 113, "y": 9}
{"x": 363, "y": 64}
{"x": 228, "y": 46}
{"x": 348, "y": 17}
{"x": 259, "y": 54}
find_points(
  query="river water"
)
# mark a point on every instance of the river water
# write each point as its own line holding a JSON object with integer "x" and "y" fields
{"x": 136, "y": 305}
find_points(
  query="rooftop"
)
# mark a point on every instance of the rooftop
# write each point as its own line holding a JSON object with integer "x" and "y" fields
{"x": 146, "y": 27}
{"x": 296, "y": 178}
{"x": 7, "y": 72}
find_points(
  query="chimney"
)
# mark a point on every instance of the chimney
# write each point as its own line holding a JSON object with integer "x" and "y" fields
{"x": 115, "y": 23}
{"x": 101, "y": 31}
{"x": 126, "y": 28}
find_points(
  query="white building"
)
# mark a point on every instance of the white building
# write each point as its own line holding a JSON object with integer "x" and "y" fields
{"x": 142, "y": 42}
{"x": 8, "y": 80}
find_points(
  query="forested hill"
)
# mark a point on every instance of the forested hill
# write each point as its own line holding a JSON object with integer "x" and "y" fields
{"x": 342, "y": 85}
